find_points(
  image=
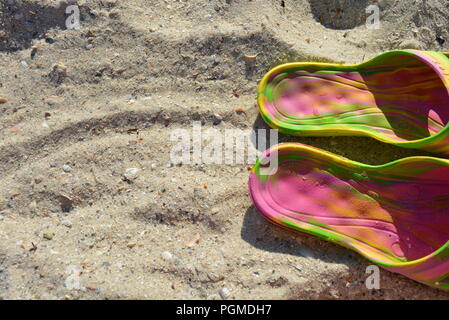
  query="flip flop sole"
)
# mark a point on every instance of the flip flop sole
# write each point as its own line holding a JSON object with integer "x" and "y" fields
{"x": 399, "y": 97}
{"x": 396, "y": 215}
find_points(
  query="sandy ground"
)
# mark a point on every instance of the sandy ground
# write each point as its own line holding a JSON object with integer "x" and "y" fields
{"x": 73, "y": 227}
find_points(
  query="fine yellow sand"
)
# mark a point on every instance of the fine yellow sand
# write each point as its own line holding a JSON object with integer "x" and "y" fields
{"x": 80, "y": 107}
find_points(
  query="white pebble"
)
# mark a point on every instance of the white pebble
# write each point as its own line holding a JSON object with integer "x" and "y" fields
{"x": 167, "y": 255}
{"x": 224, "y": 293}
{"x": 131, "y": 173}
{"x": 66, "y": 223}
{"x": 66, "y": 168}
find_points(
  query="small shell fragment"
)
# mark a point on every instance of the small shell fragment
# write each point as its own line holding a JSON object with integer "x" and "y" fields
{"x": 195, "y": 239}
{"x": 249, "y": 58}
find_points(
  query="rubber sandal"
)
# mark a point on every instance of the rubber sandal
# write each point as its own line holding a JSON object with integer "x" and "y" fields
{"x": 396, "y": 215}
{"x": 399, "y": 97}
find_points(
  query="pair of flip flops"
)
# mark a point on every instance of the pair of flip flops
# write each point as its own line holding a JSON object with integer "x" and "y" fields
{"x": 397, "y": 214}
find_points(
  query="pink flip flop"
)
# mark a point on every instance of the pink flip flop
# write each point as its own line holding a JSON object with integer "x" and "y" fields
{"x": 396, "y": 215}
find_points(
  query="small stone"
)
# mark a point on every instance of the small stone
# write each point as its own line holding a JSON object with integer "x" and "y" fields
{"x": 194, "y": 240}
{"x": 66, "y": 223}
{"x": 167, "y": 256}
{"x": 224, "y": 293}
{"x": 213, "y": 60}
{"x": 65, "y": 202}
{"x": 217, "y": 119}
{"x": 215, "y": 277}
{"x": 66, "y": 168}
{"x": 212, "y": 297}
{"x": 94, "y": 13}
{"x": 33, "y": 206}
{"x": 250, "y": 58}
{"x": 38, "y": 179}
{"x": 334, "y": 293}
{"x": 53, "y": 100}
{"x": 131, "y": 174}
{"x": 24, "y": 64}
{"x": 58, "y": 73}
{"x": 131, "y": 245}
{"x": 48, "y": 235}
{"x": 277, "y": 282}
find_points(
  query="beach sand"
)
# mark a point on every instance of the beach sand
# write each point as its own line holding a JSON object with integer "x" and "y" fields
{"x": 85, "y": 105}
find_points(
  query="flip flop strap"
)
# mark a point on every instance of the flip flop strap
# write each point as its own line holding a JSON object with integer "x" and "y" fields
{"x": 439, "y": 61}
